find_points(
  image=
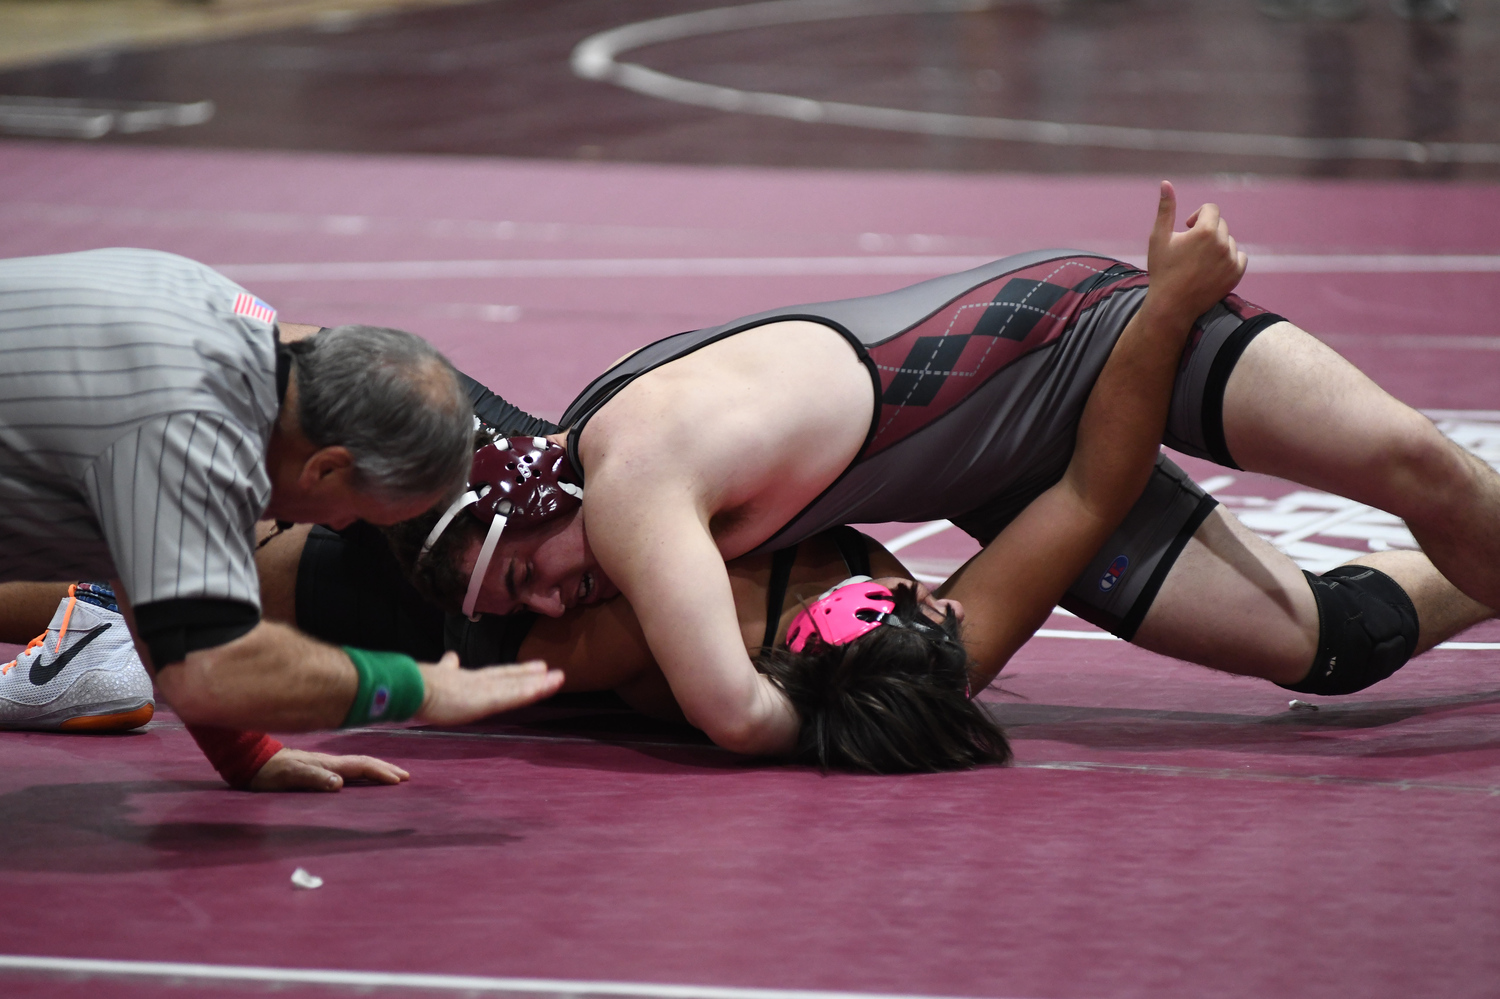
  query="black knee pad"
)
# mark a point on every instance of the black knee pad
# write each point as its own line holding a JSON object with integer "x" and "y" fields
{"x": 1367, "y": 629}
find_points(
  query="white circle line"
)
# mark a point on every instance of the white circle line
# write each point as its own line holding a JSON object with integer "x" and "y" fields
{"x": 1104, "y": 636}
{"x": 801, "y": 266}
{"x": 382, "y": 979}
{"x": 595, "y": 58}
{"x": 911, "y": 537}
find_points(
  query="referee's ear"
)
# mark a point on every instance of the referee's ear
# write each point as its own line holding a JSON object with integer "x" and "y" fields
{"x": 326, "y": 461}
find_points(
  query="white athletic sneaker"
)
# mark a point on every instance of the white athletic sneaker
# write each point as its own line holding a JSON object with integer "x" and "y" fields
{"x": 81, "y": 674}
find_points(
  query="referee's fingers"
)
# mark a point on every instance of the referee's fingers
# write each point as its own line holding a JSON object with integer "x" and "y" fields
{"x": 296, "y": 774}
{"x": 364, "y": 768}
{"x": 457, "y": 696}
{"x": 513, "y": 686}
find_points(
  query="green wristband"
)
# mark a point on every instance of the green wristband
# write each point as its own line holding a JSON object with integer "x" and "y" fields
{"x": 390, "y": 687}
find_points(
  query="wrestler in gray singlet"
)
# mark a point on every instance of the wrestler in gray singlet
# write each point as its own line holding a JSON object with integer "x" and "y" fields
{"x": 980, "y": 379}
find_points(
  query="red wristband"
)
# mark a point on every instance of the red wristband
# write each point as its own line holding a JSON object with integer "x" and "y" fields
{"x": 238, "y": 756}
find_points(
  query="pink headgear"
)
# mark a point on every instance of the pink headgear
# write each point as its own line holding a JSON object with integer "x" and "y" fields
{"x": 844, "y": 613}
{"x": 525, "y": 481}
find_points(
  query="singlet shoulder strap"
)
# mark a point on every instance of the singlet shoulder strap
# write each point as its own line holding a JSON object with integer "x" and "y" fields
{"x": 852, "y": 546}
{"x": 781, "y": 575}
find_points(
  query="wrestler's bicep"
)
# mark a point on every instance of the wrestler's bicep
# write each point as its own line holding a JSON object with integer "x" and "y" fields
{"x": 681, "y": 593}
{"x": 656, "y": 546}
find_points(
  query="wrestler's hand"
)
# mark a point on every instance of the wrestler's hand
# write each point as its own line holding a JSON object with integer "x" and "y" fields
{"x": 1190, "y": 271}
{"x": 455, "y": 696}
{"x": 300, "y": 770}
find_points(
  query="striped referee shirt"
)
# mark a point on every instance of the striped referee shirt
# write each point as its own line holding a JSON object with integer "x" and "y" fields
{"x": 136, "y": 405}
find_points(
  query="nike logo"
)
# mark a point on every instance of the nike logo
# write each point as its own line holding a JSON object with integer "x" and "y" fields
{"x": 42, "y": 673}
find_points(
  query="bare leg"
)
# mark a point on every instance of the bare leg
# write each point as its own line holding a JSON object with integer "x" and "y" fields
{"x": 1295, "y": 409}
{"x": 1236, "y": 604}
{"x": 26, "y": 609}
{"x": 1442, "y": 609}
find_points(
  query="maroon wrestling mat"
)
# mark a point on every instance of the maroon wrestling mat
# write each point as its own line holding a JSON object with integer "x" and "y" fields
{"x": 1167, "y": 831}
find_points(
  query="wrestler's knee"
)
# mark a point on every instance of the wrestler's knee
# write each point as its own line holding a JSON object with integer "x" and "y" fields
{"x": 1367, "y": 630}
{"x": 1423, "y": 472}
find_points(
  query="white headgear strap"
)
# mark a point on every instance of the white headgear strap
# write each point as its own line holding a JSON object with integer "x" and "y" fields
{"x": 482, "y": 565}
{"x": 445, "y": 520}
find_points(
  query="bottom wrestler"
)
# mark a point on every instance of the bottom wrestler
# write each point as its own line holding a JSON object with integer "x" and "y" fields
{"x": 1355, "y": 624}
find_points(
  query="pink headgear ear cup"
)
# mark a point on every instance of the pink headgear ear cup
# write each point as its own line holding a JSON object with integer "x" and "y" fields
{"x": 850, "y": 610}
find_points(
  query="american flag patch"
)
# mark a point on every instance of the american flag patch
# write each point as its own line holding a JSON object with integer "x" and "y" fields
{"x": 249, "y": 305}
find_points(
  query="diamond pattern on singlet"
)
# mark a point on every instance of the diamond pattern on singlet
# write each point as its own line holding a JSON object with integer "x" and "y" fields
{"x": 929, "y": 368}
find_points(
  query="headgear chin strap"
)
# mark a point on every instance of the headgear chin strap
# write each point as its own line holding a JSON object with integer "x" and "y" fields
{"x": 525, "y": 481}
{"x": 846, "y": 612}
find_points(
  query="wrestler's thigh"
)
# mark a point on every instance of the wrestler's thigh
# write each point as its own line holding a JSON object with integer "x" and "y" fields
{"x": 1234, "y": 603}
{"x": 1295, "y": 409}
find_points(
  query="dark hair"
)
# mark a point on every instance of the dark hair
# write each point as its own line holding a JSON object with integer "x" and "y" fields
{"x": 437, "y": 576}
{"x": 892, "y": 701}
{"x": 393, "y": 401}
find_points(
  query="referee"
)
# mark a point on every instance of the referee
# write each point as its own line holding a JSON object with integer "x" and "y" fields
{"x": 150, "y": 414}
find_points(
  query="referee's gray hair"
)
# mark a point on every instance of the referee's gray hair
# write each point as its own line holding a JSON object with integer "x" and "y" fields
{"x": 393, "y": 401}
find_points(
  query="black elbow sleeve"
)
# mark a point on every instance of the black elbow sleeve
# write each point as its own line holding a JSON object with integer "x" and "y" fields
{"x": 173, "y": 628}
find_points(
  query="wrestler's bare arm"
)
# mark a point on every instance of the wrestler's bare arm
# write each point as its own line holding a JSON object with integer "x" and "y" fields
{"x": 659, "y": 550}
{"x": 699, "y": 462}
{"x": 1011, "y": 586}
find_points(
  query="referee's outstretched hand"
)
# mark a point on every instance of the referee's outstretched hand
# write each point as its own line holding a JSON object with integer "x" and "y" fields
{"x": 301, "y": 770}
{"x": 455, "y": 696}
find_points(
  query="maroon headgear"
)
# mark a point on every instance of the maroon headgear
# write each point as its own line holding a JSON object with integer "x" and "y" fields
{"x": 524, "y": 481}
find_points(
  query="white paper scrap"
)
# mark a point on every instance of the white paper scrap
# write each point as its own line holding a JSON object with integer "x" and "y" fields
{"x": 302, "y": 879}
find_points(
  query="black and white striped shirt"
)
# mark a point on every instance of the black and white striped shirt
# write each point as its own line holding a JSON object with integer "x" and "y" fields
{"x": 135, "y": 411}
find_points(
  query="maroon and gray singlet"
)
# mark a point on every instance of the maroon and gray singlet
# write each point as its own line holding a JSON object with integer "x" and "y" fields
{"x": 980, "y": 379}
